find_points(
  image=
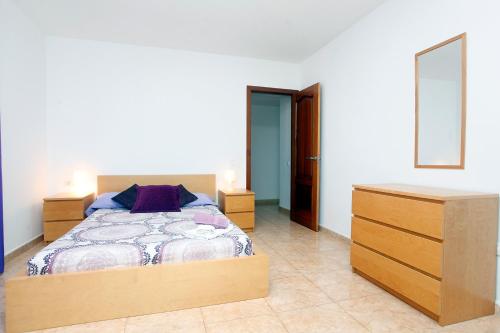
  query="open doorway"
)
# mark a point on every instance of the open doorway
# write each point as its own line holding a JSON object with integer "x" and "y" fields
{"x": 271, "y": 149}
{"x": 283, "y": 150}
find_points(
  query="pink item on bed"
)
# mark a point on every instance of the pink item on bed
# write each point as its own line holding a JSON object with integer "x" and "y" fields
{"x": 218, "y": 221}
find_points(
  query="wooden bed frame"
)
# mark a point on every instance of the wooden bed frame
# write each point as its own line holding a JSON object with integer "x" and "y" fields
{"x": 45, "y": 301}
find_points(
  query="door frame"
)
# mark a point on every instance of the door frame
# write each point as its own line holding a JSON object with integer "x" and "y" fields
{"x": 268, "y": 90}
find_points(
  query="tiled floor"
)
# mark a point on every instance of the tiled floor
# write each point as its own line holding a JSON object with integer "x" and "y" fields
{"x": 312, "y": 290}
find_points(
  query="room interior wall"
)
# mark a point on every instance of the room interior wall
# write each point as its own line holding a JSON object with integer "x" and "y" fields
{"x": 266, "y": 152}
{"x": 22, "y": 110}
{"x": 121, "y": 109}
{"x": 367, "y": 78}
{"x": 285, "y": 153}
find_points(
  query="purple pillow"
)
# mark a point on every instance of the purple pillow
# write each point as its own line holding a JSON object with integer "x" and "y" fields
{"x": 157, "y": 198}
{"x": 103, "y": 201}
{"x": 202, "y": 200}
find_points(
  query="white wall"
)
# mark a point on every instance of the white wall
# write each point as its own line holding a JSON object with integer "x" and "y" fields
{"x": 266, "y": 152}
{"x": 121, "y": 109}
{"x": 285, "y": 151}
{"x": 22, "y": 108}
{"x": 367, "y": 77}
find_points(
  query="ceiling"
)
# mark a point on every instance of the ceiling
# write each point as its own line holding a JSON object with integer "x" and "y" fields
{"x": 281, "y": 30}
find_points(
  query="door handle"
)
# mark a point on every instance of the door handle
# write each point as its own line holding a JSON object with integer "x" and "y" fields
{"x": 313, "y": 158}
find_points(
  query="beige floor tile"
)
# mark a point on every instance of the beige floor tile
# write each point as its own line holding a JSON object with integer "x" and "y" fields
{"x": 183, "y": 321}
{"x": 282, "y": 272}
{"x": 261, "y": 324}
{"x": 108, "y": 326}
{"x": 329, "y": 318}
{"x": 342, "y": 284}
{"x": 274, "y": 238}
{"x": 280, "y": 268}
{"x": 339, "y": 255}
{"x": 328, "y": 243}
{"x": 385, "y": 313}
{"x": 284, "y": 248}
{"x": 304, "y": 262}
{"x": 262, "y": 246}
{"x": 236, "y": 310}
{"x": 294, "y": 293}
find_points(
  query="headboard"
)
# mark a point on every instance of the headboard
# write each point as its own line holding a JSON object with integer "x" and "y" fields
{"x": 194, "y": 183}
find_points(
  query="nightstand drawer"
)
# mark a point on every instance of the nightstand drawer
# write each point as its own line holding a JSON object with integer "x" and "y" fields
{"x": 63, "y": 210}
{"x": 54, "y": 230}
{"x": 239, "y": 203}
{"x": 243, "y": 220}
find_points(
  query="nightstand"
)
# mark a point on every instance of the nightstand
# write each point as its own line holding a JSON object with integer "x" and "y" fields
{"x": 239, "y": 206}
{"x": 62, "y": 212}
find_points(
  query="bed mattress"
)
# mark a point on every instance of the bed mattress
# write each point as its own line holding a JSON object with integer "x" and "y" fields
{"x": 111, "y": 238}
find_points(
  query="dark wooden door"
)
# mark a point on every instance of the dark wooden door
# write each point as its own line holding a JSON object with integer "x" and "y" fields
{"x": 306, "y": 157}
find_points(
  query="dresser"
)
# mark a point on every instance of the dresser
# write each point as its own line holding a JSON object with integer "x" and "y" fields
{"x": 239, "y": 206}
{"x": 433, "y": 248}
{"x": 62, "y": 212}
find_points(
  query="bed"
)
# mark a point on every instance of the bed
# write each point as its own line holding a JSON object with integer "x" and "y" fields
{"x": 157, "y": 265}
{"x": 111, "y": 238}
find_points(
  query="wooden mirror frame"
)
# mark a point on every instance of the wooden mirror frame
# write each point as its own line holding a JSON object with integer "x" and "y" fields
{"x": 462, "y": 37}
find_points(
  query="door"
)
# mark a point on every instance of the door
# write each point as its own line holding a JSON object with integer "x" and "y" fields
{"x": 306, "y": 157}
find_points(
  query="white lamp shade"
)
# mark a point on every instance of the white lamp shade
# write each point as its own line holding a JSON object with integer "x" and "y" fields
{"x": 81, "y": 183}
{"x": 230, "y": 176}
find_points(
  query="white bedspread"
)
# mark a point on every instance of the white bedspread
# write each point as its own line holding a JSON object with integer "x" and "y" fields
{"x": 115, "y": 238}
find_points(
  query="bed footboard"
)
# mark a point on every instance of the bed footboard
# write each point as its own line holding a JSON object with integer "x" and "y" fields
{"x": 39, "y": 302}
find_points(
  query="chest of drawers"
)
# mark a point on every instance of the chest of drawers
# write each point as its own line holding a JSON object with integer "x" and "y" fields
{"x": 433, "y": 248}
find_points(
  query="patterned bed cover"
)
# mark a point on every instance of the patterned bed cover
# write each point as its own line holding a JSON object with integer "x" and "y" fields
{"x": 111, "y": 238}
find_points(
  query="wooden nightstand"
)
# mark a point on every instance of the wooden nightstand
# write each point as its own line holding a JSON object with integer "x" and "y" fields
{"x": 239, "y": 206}
{"x": 62, "y": 212}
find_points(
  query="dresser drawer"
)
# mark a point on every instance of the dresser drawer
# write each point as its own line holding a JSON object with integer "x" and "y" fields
{"x": 416, "y": 251}
{"x": 239, "y": 203}
{"x": 242, "y": 220}
{"x": 63, "y": 210}
{"x": 54, "y": 230}
{"x": 420, "y": 216}
{"x": 418, "y": 287}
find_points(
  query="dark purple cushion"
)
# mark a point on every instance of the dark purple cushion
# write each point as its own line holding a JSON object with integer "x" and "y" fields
{"x": 185, "y": 196}
{"x": 157, "y": 198}
{"x": 127, "y": 197}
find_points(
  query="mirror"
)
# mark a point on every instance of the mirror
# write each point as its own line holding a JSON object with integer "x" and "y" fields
{"x": 440, "y": 78}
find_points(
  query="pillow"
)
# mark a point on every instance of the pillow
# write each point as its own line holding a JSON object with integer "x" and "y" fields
{"x": 127, "y": 197}
{"x": 157, "y": 198}
{"x": 103, "y": 201}
{"x": 185, "y": 196}
{"x": 202, "y": 200}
